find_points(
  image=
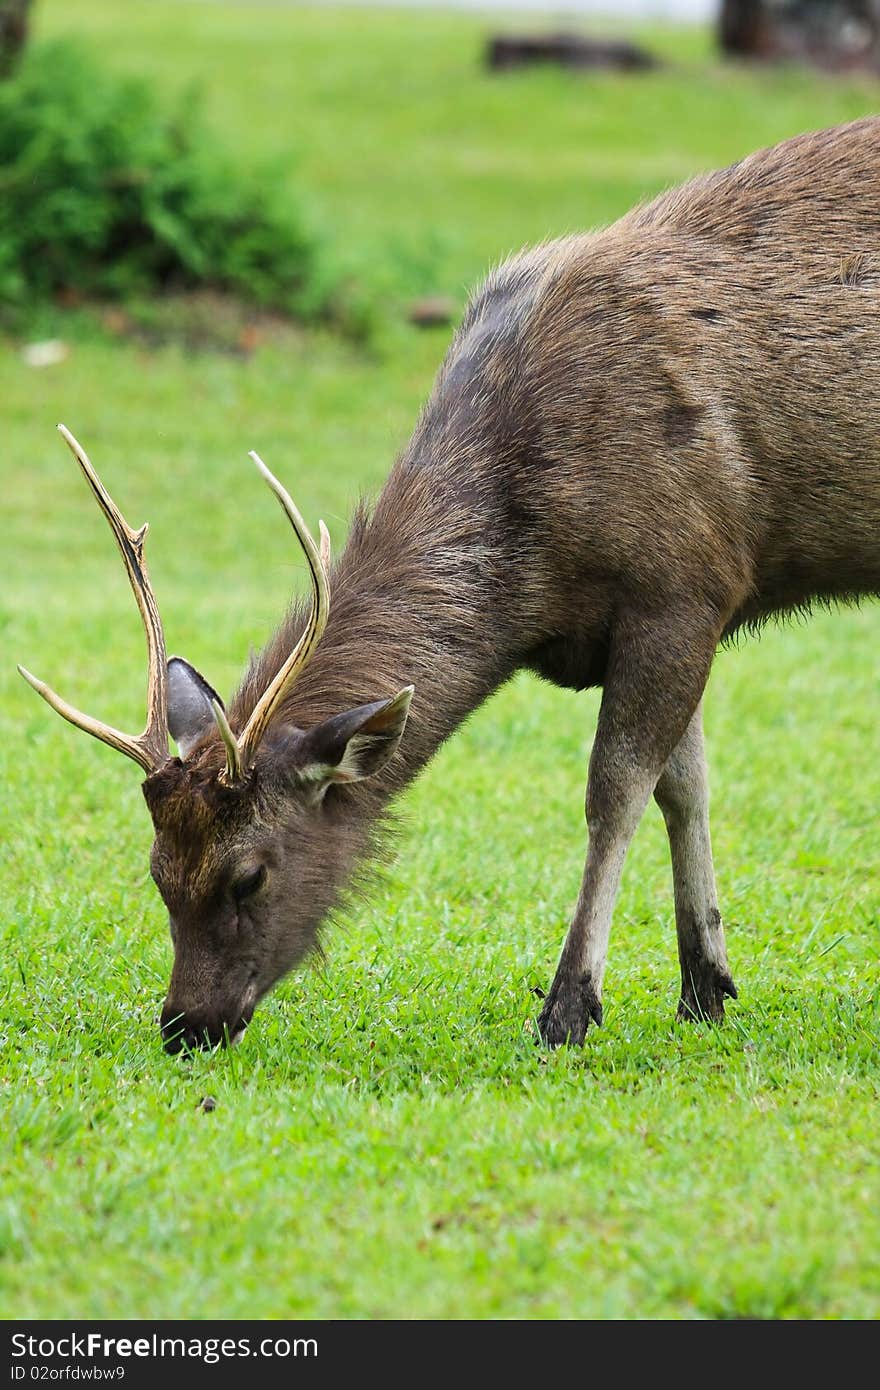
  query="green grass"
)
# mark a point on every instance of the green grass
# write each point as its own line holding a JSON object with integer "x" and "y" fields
{"x": 388, "y": 1140}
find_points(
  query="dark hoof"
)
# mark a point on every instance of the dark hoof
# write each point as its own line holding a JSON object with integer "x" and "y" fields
{"x": 567, "y": 1011}
{"x": 703, "y": 995}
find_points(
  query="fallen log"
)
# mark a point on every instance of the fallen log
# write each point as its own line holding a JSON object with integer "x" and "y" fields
{"x": 506, "y": 51}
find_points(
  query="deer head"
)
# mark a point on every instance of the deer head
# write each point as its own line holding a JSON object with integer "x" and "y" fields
{"x": 250, "y": 854}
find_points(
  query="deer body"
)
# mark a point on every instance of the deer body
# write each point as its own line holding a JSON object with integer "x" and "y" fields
{"x": 640, "y": 440}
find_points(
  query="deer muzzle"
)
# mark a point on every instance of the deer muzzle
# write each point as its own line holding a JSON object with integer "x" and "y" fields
{"x": 193, "y": 1029}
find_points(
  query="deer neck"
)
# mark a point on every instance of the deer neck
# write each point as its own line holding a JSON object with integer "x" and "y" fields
{"x": 416, "y": 598}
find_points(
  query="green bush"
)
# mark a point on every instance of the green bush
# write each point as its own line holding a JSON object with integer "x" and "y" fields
{"x": 103, "y": 193}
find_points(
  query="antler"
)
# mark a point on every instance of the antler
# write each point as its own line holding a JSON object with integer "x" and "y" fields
{"x": 149, "y": 749}
{"x": 240, "y": 759}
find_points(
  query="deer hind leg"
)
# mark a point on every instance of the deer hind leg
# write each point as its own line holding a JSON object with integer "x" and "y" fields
{"x": 656, "y": 672}
{"x": 682, "y": 794}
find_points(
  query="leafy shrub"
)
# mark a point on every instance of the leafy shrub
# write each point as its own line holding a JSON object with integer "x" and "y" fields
{"x": 104, "y": 193}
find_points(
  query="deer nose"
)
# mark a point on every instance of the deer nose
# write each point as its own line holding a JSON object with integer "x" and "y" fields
{"x": 189, "y": 1031}
{"x": 182, "y": 1030}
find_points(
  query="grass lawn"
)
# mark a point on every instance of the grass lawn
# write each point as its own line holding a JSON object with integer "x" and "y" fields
{"x": 388, "y": 1140}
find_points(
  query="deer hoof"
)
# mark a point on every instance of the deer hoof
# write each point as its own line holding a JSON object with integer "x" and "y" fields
{"x": 567, "y": 1011}
{"x": 702, "y": 997}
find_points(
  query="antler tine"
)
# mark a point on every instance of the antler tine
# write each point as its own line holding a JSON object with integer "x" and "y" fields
{"x": 234, "y": 772}
{"x": 131, "y": 747}
{"x": 149, "y": 749}
{"x": 318, "y": 560}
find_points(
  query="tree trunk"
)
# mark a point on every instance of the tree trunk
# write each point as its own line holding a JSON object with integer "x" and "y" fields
{"x": 13, "y": 32}
{"x": 742, "y": 28}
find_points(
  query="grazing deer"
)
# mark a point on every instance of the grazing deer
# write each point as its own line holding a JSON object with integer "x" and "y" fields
{"x": 640, "y": 441}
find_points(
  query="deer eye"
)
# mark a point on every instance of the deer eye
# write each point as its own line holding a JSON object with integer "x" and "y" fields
{"x": 247, "y": 886}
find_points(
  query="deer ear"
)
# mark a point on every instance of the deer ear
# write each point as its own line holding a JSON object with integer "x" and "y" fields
{"x": 190, "y": 716}
{"x": 350, "y": 746}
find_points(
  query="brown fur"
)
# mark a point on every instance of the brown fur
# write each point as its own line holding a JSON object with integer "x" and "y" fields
{"x": 640, "y": 440}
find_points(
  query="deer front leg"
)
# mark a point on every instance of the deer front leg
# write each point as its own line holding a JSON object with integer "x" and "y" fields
{"x": 682, "y": 793}
{"x": 654, "y": 681}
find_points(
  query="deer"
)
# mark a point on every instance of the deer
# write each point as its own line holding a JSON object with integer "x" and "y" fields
{"x": 642, "y": 440}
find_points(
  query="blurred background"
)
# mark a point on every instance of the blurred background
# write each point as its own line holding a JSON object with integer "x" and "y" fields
{"x": 333, "y": 164}
{"x": 228, "y": 224}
